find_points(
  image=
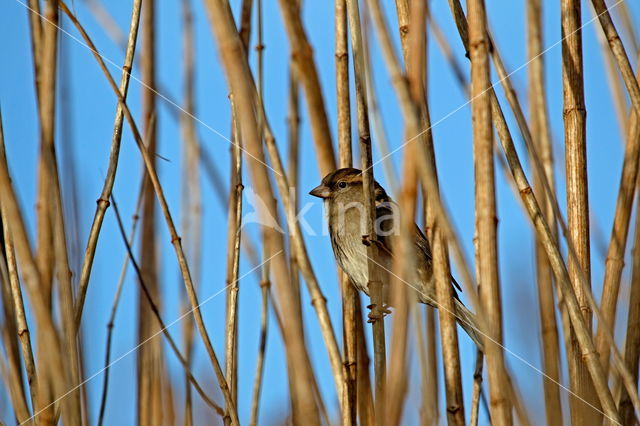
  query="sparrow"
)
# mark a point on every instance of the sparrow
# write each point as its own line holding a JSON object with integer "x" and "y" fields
{"x": 343, "y": 195}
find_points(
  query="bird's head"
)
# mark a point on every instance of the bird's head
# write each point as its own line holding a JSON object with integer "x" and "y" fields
{"x": 344, "y": 186}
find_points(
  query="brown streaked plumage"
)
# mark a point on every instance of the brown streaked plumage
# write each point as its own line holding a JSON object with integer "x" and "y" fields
{"x": 343, "y": 196}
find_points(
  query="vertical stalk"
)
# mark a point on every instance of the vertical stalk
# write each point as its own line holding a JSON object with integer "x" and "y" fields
{"x": 574, "y": 114}
{"x": 539, "y": 120}
{"x": 632, "y": 340}
{"x": 12, "y": 370}
{"x": 374, "y": 284}
{"x": 50, "y": 180}
{"x": 345, "y": 159}
{"x": 150, "y": 355}
{"x": 486, "y": 215}
{"x": 233, "y": 258}
{"x": 191, "y": 191}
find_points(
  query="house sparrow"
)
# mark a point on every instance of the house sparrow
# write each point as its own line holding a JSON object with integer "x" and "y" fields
{"x": 342, "y": 192}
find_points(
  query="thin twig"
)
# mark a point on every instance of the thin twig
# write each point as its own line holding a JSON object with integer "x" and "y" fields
{"x": 233, "y": 258}
{"x": 103, "y": 200}
{"x": 114, "y": 309}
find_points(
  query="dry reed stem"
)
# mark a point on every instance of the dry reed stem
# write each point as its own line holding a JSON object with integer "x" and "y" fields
{"x": 44, "y": 247}
{"x": 103, "y": 200}
{"x": 175, "y": 238}
{"x": 613, "y": 266}
{"x": 403, "y": 12}
{"x": 262, "y": 347}
{"x": 292, "y": 159}
{"x": 413, "y": 41}
{"x": 345, "y": 159}
{"x": 416, "y": 63}
{"x": 302, "y": 56}
{"x": 114, "y": 309}
{"x": 476, "y": 390}
{"x": 150, "y": 357}
{"x": 379, "y": 134}
{"x": 35, "y": 29}
{"x": 432, "y": 394}
{"x": 233, "y": 258}
{"x": 373, "y": 275}
{"x": 47, "y": 334}
{"x": 240, "y": 82}
{"x": 632, "y": 340}
{"x": 22, "y": 327}
{"x": 44, "y": 243}
{"x": 191, "y": 190}
{"x": 12, "y": 370}
{"x": 615, "y": 85}
{"x": 53, "y": 212}
{"x": 574, "y": 114}
{"x": 404, "y": 264}
{"x": 619, "y": 233}
{"x": 539, "y": 119}
{"x": 13, "y": 386}
{"x": 245, "y": 24}
{"x": 430, "y": 411}
{"x": 627, "y": 22}
{"x": 449, "y": 337}
{"x": 486, "y": 214}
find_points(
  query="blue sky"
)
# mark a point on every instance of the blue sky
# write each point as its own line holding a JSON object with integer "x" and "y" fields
{"x": 91, "y": 107}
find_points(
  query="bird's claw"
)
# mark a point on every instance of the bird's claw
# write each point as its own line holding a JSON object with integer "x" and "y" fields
{"x": 377, "y": 313}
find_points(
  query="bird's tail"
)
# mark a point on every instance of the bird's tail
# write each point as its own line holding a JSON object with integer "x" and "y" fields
{"x": 469, "y": 323}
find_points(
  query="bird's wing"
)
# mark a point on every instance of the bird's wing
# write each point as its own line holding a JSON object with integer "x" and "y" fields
{"x": 385, "y": 209}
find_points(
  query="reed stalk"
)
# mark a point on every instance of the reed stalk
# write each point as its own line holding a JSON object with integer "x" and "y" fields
{"x": 574, "y": 114}
{"x": 233, "y": 258}
{"x": 345, "y": 159}
{"x": 373, "y": 275}
{"x": 302, "y": 56}
{"x": 486, "y": 214}
{"x": 539, "y": 120}
{"x": 632, "y": 340}
{"x": 617, "y": 245}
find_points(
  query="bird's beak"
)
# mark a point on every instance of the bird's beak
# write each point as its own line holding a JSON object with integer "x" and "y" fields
{"x": 320, "y": 191}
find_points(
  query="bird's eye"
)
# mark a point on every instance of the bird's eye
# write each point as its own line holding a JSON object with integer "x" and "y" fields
{"x": 342, "y": 184}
